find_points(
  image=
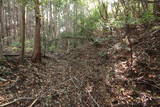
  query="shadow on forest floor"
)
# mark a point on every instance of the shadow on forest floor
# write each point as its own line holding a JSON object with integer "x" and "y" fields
{"x": 93, "y": 75}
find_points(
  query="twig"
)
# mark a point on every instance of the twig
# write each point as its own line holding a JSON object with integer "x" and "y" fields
{"x": 13, "y": 84}
{"x": 10, "y": 55}
{"x": 144, "y": 81}
{"x": 154, "y": 32}
{"x": 15, "y": 100}
{"x": 79, "y": 94}
{"x": 74, "y": 83}
{"x": 93, "y": 100}
{"x": 2, "y": 79}
{"x": 33, "y": 102}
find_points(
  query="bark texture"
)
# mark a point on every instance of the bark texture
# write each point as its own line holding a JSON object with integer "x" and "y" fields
{"x": 37, "y": 39}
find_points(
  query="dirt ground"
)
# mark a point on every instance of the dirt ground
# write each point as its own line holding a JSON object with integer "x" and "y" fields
{"x": 99, "y": 74}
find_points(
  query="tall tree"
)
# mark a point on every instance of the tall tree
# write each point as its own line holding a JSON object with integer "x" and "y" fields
{"x": 157, "y": 8}
{"x": 1, "y": 30}
{"x": 22, "y": 31}
{"x": 37, "y": 39}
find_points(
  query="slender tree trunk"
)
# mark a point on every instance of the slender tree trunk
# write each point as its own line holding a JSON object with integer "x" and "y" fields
{"x": 9, "y": 24}
{"x": 157, "y": 8}
{"x": 37, "y": 40}
{"x": 14, "y": 19}
{"x": 22, "y": 32}
{"x": 67, "y": 20}
{"x": 44, "y": 34}
{"x": 144, "y": 5}
{"x": 55, "y": 22}
{"x": 1, "y": 30}
{"x": 50, "y": 21}
{"x": 48, "y": 25}
{"x": 17, "y": 20}
{"x": 6, "y": 27}
{"x": 75, "y": 20}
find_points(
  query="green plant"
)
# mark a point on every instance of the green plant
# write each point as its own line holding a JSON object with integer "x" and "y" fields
{"x": 147, "y": 17}
{"x": 102, "y": 54}
{"x": 51, "y": 48}
{"x": 16, "y": 44}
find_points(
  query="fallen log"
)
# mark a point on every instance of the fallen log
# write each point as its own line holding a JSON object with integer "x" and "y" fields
{"x": 10, "y": 55}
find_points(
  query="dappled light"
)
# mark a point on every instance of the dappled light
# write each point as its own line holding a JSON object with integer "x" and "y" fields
{"x": 79, "y": 53}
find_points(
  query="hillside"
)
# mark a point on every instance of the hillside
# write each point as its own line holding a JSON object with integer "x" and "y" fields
{"x": 99, "y": 74}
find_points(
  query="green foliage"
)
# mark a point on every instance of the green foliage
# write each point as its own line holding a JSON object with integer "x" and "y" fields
{"x": 156, "y": 27}
{"x": 67, "y": 34}
{"x": 23, "y": 2}
{"x": 102, "y": 54}
{"x": 92, "y": 21}
{"x": 28, "y": 45}
{"x": 51, "y": 48}
{"x": 147, "y": 17}
{"x": 98, "y": 40}
{"x": 16, "y": 44}
{"x": 47, "y": 45}
{"x": 122, "y": 20}
{"x": 84, "y": 18}
{"x": 59, "y": 3}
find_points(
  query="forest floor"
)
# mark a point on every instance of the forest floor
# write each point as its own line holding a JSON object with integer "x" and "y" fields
{"x": 101, "y": 74}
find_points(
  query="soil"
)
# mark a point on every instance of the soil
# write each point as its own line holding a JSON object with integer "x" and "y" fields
{"x": 100, "y": 74}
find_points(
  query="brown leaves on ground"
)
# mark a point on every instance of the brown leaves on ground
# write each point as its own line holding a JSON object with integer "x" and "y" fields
{"x": 87, "y": 76}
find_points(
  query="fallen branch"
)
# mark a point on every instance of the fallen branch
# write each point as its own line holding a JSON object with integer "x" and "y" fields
{"x": 13, "y": 84}
{"x": 155, "y": 86}
{"x": 33, "y": 102}
{"x": 2, "y": 79}
{"x": 94, "y": 100}
{"x": 74, "y": 83}
{"x": 155, "y": 32}
{"x": 10, "y": 55}
{"x": 15, "y": 100}
{"x": 150, "y": 103}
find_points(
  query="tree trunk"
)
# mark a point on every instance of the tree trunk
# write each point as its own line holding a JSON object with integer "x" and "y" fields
{"x": 9, "y": 24}
{"x": 1, "y": 30}
{"x": 157, "y": 8}
{"x": 22, "y": 32}
{"x": 37, "y": 39}
{"x": 144, "y": 4}
{"x": 14, "y": 20}
{"x": 50, "y": 23}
